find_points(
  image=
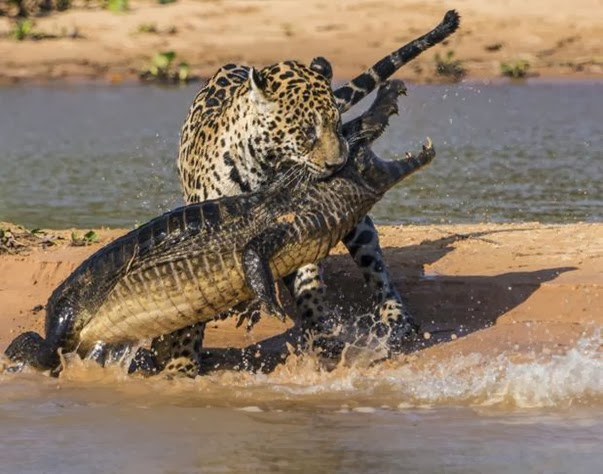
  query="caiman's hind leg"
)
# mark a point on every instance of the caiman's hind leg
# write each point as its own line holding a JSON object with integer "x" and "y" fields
{"x": 369, "y": 126}
{"x": 32, "y": 349}
{"x": 358, "y": 88}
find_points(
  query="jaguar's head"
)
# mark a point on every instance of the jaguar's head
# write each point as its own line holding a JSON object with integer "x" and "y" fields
{"x": 298, "y": 118}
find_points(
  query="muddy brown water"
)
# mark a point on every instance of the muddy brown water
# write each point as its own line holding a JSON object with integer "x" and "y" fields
{"x": 468, "y": 414}
{"x": 92, "y": 155}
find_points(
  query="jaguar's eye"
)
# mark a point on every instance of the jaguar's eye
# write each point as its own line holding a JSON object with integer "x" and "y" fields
{"x": 310, "y": 133}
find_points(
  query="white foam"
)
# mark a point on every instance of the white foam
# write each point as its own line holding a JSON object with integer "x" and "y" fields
{"x": 538, "y": 380}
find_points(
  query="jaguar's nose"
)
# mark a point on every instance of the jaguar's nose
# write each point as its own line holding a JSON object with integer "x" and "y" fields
{"x": 337, "y": 162}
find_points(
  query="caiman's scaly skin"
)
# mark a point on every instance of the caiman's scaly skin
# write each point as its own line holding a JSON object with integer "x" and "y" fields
{"x": 202, "y": 259}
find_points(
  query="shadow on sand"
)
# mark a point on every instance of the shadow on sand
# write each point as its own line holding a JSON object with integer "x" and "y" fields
{"x": 442, "y": 304}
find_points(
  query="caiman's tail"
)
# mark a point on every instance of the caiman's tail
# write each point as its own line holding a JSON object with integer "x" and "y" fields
{"x": 32, "y": 349}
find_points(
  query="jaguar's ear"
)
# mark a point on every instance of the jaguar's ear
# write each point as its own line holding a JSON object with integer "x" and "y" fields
{"x": 258, "y": 85}
{"x": 322, "y": 67}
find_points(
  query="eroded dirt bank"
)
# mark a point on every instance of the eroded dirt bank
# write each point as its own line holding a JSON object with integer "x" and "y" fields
{"x": 481, "y": 288}
{"x": 557, "y": 38}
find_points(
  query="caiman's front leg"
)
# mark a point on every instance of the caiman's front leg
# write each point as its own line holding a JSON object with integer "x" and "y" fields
{"x": 256, "y": 266}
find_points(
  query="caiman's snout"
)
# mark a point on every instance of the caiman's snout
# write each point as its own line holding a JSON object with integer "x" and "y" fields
{"x": 381, "y": 175}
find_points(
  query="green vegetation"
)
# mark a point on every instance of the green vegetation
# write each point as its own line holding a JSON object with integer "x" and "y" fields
{"x": 147, "y": 28}
{"x": 448, "y": 67}
{"x": 517, "y": 69}
{"x": 117, "y": 6}
{"x": 88, "y": 238}
{"x": 161, "y": 63}
{"x": 22, "y": 29}
{"x": 17, "y": 239}
{"x": 184, "y": 72}
{"x": 161, "y": 69}
{"x": 165, "y": 2}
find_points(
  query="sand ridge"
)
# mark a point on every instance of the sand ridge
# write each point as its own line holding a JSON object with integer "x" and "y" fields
{"x": 479, "y": 288}
{"x": 559, "y": 39}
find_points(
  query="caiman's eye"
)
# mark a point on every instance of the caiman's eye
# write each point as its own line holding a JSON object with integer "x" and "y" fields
{"x": 310, "y": 134}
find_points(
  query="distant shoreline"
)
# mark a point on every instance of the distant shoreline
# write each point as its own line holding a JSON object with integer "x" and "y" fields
{"x": 562, "y": 44}
{"x": 134, "y": 82}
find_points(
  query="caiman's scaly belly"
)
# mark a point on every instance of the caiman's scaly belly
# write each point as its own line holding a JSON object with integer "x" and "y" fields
{"x": 173, "y": 295}
{"x": 168, "y": 296}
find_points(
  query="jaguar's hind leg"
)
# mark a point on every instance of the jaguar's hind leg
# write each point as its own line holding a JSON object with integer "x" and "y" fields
{"x": 178, "y": 353}
{"x": 363, "y": 244}
{"x": 32, "y": 349}
{"x": 306, "y": 283}
{"x": 144, "y": 362}
{"x": 308, "y": 289}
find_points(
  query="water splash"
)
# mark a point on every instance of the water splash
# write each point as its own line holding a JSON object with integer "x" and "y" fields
{"x": 510, "y": 380}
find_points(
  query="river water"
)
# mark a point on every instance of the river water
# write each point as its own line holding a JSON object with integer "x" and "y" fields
{"x": 467, "y": 414}
{"x": 93, "y": 155}
{"x": 88, "y": 156}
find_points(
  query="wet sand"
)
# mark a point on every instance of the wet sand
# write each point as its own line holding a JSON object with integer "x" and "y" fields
{"x": 559, "y": 39}
{"x": 523, "y": 289}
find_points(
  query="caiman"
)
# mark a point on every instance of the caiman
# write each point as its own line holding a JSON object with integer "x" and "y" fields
{"x": 197, "y": 261}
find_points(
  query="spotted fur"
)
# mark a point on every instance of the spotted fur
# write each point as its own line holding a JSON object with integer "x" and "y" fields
{"x": 244, "y": 124}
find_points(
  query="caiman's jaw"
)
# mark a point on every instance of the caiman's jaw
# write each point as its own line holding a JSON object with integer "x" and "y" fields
{"x": 380, "y": 175}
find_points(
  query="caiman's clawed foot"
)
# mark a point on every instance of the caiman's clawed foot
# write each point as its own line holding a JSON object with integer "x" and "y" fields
{"x": 387, "y": 95}
{"x": 32, "y": 349}
{"x": 247, "y": 312}
{"x": 273, "y": 309}
{"x": 371, "y": 124}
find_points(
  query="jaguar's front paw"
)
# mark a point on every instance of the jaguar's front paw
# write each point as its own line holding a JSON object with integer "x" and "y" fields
{"x": 401, "y": 333}
{"x": 398, "y": 324}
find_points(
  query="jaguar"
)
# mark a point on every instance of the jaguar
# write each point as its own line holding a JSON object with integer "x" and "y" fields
{"x": 246, "y": 124}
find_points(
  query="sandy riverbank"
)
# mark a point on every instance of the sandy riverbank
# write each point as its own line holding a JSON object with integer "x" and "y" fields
{"x": 559, "y": 39}
{"x": 484, "y": 288}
